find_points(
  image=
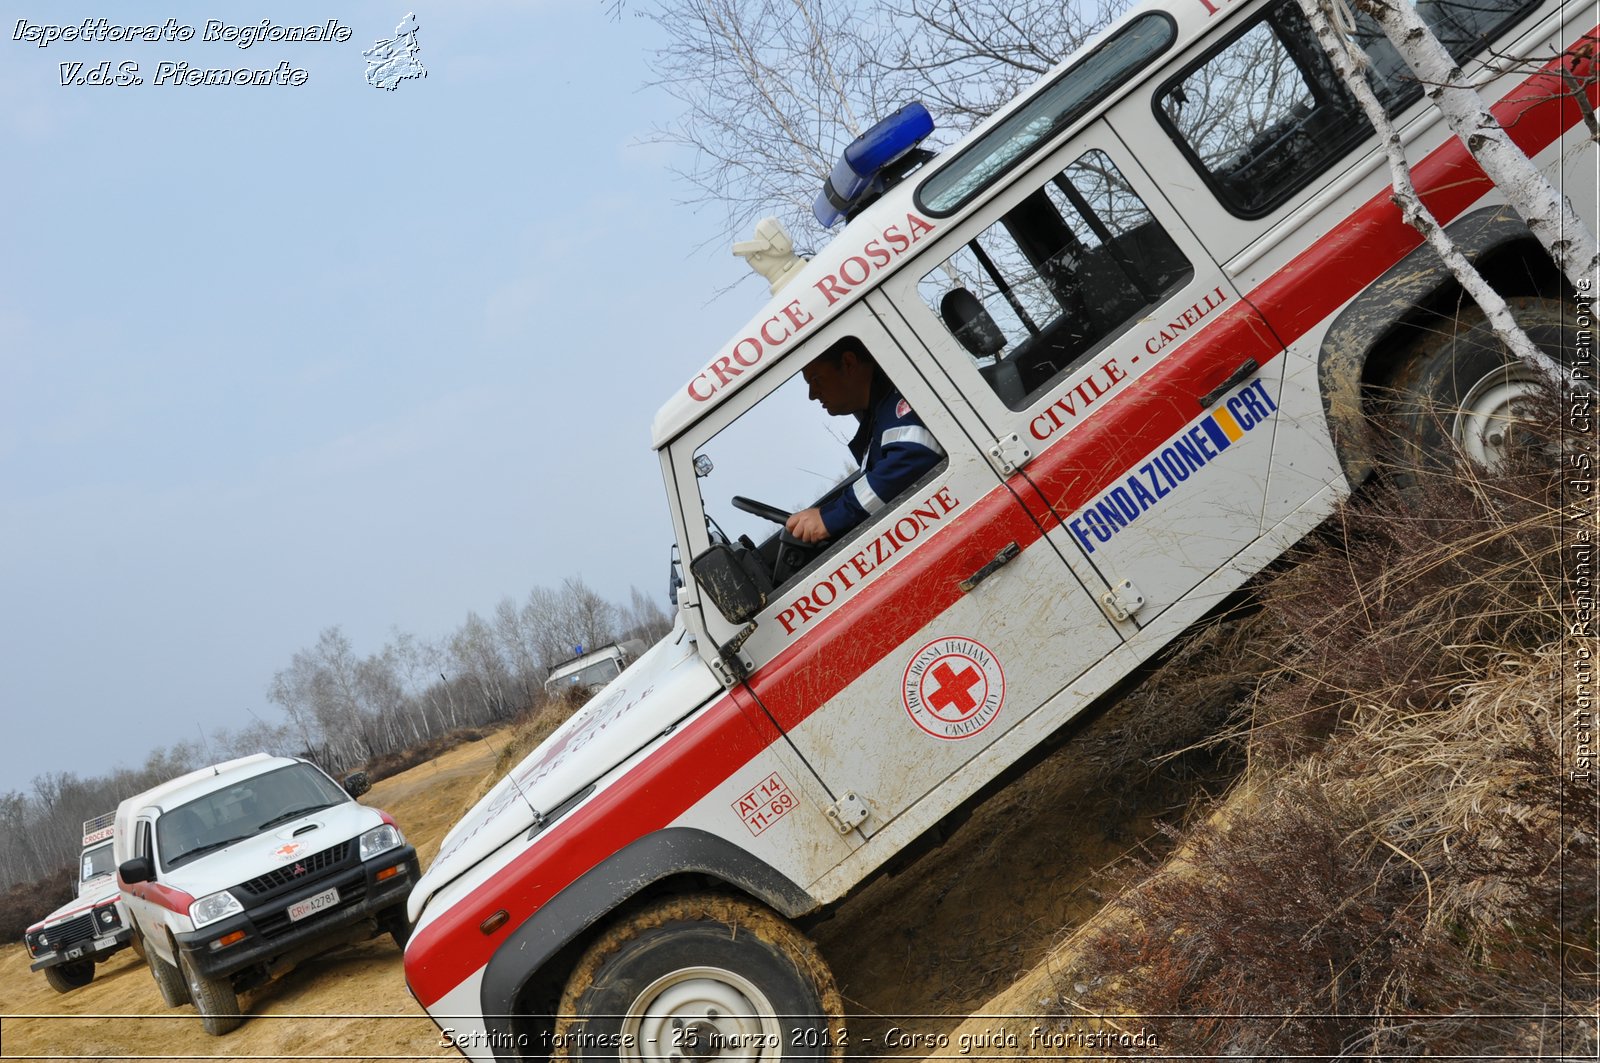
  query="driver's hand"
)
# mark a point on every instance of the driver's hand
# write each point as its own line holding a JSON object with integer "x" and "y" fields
{"x": 807, "y": 525}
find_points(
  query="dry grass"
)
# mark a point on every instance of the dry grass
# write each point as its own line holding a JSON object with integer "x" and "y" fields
{"x": 1414, "y": 872}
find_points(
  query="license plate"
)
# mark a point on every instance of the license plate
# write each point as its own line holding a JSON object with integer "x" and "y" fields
{"x": 326, "y": 899}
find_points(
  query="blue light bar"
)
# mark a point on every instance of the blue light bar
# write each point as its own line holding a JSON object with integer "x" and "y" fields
{"x": 858, "y": 175}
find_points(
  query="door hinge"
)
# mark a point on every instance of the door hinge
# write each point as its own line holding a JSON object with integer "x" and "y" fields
{"x": 848, "y": 812}
{"x": 1122, "y": 600}
{"x": 1009, "y": 453}
{"x": 732, "y": 663}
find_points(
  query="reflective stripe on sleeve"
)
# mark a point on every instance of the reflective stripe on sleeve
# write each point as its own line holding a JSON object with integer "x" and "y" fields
{"x": 867, "y": 496}
{"x": 914, "y": 434}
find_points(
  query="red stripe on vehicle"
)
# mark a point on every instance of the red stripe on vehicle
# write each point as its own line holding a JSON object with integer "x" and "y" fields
{"x": 1300, "y": 296}
{"x": 863, "y": 630}
{"x": 653, "y": 794}
{"x": 174, "y": 900}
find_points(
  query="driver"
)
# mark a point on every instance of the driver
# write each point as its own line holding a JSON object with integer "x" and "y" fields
{"x": 891, "y": 445}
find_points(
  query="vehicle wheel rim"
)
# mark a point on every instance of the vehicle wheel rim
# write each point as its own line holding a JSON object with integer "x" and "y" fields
{"x": 700, "y": 1014}
{"x": 1486, "y": 426}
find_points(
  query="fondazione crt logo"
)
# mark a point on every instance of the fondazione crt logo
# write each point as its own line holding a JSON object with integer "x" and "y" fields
{"x": 390, "y": 60}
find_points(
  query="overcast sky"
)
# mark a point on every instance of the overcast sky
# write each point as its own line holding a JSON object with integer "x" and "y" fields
{"x": 279, "y": 358}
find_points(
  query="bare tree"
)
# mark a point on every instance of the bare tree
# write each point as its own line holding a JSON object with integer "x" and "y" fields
{"x": 475, "y": 654}
{"x": 643, "y": 619}
{"x": 964, "y": 58}
{"x": 518, "y": 633}
{"x": 772, "y": 91}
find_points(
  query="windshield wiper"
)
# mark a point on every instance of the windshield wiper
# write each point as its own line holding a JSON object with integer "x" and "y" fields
{"x": 201, "y": 850}
{"x": 293, "y": 813}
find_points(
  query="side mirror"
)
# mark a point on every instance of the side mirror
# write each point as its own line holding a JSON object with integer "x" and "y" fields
{"x": 357, "y": 783}
{"x": 138, "y": 869}
{"x": 724, "y": 579}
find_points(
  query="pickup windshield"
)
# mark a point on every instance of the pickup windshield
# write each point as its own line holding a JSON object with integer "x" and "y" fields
{"x": 242, "y": 810}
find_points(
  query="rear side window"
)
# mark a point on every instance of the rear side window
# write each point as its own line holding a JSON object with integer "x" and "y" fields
{"x": 1263, "y": 114}
{"x": 1057, "y": 275}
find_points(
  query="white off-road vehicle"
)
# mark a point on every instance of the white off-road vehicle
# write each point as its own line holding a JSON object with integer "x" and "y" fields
{"x": 233, "y": 874}
{"x": 1135, "y": 335}
{"x": 67, "y": 943}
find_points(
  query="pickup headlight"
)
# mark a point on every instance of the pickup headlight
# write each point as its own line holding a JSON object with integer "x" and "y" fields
{"x": 380, "y": 840}
{"x": 210, "y": 908}
{"x": 35, "y": 943}
{"x": 106, "y": 918}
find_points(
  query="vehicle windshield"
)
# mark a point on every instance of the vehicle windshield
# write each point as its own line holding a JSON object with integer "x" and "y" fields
{"x": 97, "y": 861}
{"x": 242, "y": 811}
{"x": 596, "y": 674}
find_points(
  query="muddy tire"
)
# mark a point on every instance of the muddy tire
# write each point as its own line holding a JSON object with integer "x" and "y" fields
{"x": 174, "y": 992}
{"x": 701, "y": 977}
{"x": 137, "y": 942}
{"x": 1462, "y": 396}
{"x": 213, "y": 998}
{"x": 65, "y": 977}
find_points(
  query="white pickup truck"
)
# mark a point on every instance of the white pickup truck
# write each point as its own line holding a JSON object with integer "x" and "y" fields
{"x": 67, "y": 943}
{"x": 233, "y": 874}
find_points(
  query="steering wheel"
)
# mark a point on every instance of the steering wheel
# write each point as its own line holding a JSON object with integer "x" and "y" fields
{"x": 761, "y": 509}
{"x": 792, "y": 554}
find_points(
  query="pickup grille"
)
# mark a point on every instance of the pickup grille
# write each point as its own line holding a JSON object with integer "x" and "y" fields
{"x": 271, "y": 924}
{"x": 78, "y": 928}
{"x": 301, "y": 871}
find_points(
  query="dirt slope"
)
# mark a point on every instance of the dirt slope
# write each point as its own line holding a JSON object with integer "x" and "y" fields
{"x": 915, "y": 954}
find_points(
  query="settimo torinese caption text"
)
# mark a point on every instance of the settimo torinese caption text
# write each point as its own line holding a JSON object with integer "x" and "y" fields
{"x": 173, "y": 71}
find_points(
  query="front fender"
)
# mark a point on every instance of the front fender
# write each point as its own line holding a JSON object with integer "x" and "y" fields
{"x": 673, "y": 851}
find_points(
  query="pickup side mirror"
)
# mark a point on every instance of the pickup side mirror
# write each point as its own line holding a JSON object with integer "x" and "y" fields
{"x": 357, "y": 783}
{"x": 732, "y": 589}
{"x": 138, "y": 869}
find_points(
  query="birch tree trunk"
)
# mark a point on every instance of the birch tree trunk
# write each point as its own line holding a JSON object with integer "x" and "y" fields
{"x": 1532, "y": 191}
{"x": 1548, "y": 213}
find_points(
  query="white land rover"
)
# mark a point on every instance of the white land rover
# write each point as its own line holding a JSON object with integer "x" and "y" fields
{"x": 233, "y": 874}
{"x": 67, "y": 943}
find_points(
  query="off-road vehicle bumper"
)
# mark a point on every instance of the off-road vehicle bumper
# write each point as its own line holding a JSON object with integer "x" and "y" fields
{"x": 266, "y": 931}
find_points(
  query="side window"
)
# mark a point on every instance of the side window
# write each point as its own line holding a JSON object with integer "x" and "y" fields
{"x": 1263, "y": 114}
{"x": 1058, "y": 275}
{"x": 836, "y": 438}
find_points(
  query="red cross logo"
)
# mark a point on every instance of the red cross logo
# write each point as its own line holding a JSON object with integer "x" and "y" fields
{"x": 954, "y": 688}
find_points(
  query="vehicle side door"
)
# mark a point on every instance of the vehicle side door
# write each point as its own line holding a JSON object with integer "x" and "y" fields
{"x": 1108, "y": 360}
{"x": 143, "y": 898}
{"x": 922, "y": 638}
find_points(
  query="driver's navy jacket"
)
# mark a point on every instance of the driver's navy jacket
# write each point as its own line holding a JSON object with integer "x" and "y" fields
{"x": 893, "y": 449}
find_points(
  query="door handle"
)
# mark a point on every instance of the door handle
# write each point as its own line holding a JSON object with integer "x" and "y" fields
{"x": 1007, "y": 552}
{"x": 1237, "y": 377}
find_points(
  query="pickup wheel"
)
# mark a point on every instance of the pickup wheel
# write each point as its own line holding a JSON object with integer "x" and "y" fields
{"x": 394, "y": 923}
{"x": 1464, "y": 396}
{"x": 65, "y": 977}
{"x": 697, "y": 978}
{"x": 174, "y": 992}
{"x": 214, "y": 999}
